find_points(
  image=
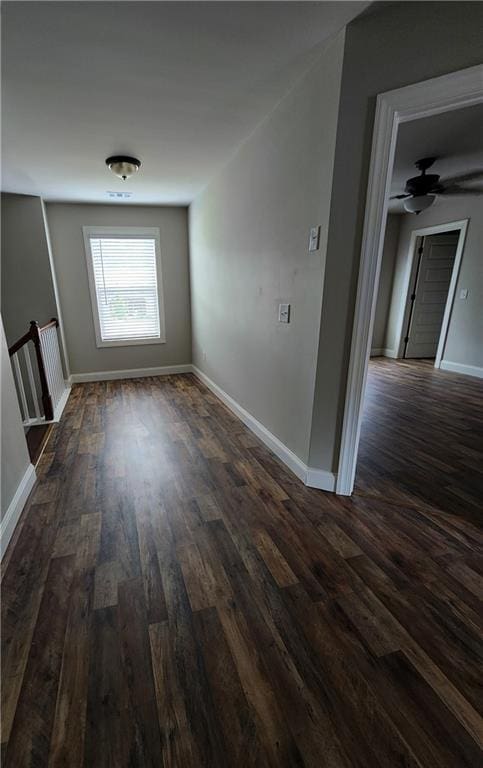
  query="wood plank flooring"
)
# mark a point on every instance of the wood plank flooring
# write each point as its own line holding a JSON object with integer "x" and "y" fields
{"x": 422, "y": 437}
{"x": 36, "y": 437}
{"x": 175, "y": 597}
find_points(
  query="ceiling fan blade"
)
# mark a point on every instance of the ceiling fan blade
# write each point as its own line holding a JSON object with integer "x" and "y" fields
{"x": 469, "y": 176}
{"x": 455, "y": 189}
{"x": 398, "y": 197}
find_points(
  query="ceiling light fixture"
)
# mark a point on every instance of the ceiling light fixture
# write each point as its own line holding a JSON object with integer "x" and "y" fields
{"x": 123, "y": 166}
{"x": 418, "y": 203}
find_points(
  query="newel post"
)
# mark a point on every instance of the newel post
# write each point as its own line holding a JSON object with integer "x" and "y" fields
{"x": 46, "y": 398}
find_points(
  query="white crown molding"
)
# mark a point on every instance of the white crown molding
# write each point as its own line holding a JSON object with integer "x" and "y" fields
{"x": 466, "y": 370}
{"x": 129, "y": 373}
{"x": 15, "y": 508}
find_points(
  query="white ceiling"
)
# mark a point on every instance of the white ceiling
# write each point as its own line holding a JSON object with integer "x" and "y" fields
{"x": 455, "y": 138}
{"x": 178, "y": 84}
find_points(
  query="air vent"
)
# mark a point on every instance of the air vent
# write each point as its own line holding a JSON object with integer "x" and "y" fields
{"x": 120, "y": 195}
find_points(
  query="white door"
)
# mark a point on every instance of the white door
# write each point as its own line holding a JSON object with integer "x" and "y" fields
{"x": 436, "y": 261}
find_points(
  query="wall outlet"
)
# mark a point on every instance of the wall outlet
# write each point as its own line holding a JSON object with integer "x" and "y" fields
{"x": 284, "y": 313}
{"x": 314, "y": 239}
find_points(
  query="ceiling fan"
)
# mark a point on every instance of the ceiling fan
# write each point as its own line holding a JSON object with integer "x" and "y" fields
{"x": 420, "y": 191}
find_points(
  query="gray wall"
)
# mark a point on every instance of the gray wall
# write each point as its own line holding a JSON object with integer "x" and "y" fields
{"x": 388, "y": 48}
{"x": 15, "y": 458}
{"x": 464, "y": 342}
{"x": 27, "y": 289}
{"x": 248, "y": 252}
{"x": 384, "y": 294}
{"x": 65, "y": 224}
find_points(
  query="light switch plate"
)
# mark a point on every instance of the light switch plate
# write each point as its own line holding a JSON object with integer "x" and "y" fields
{"x": 314, "y": 239}
{"x": 464, "y": 293}
{"x": 284, "y": 313}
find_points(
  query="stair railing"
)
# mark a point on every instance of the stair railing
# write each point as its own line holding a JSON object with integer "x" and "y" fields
{"x": 41, "y": 387}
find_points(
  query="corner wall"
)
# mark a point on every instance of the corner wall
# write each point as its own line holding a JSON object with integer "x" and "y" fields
{"x": 391, "y": 240}
{"x": 65, "y": 222}
{"x": 249, "y": 234}
{"x": 15, "y": 460}
{"x": 441, "y": 38}
{"x": 27, "y": 287}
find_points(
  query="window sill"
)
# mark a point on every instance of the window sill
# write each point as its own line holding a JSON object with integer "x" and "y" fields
{"x": 129, "y": 342}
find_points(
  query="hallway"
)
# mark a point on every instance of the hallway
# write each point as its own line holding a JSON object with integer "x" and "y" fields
{"x": 174, "y": 596}
{"x": 422, "y": 438}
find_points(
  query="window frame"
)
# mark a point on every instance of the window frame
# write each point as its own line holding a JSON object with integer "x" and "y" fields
{"x": 151, "y": 233}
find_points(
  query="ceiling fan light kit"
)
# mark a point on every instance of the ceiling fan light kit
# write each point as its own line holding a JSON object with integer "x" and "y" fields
{"x": 418, "y": 203}
{"x": 123, "y": 166}
{"x": 421, "y": 191}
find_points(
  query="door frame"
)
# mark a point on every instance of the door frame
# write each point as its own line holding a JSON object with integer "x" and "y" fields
{"x": 430, "y": 97}
{"x": 460, "y": 226}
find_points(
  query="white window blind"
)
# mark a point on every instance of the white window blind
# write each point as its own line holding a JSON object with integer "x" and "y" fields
{"x": 124, "y": 278}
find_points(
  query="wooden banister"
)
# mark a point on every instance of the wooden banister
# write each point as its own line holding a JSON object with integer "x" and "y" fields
{"x": 20, "y": 343}
{"x": 28, "y": 336}
{"x": 52, "y": 322}
{"x": 33, "y": 335}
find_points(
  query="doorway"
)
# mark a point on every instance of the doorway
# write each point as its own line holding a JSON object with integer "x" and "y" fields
{"x": 432, "y": 97}
{"x": 435, "y": 257}
{"x": 422, "y": 309}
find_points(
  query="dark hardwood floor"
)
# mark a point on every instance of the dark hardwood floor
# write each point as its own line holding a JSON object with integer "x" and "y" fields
{"x": 37, "y": 437}
{"x": 175, "y": 597}
{"x": 422, "y": 438}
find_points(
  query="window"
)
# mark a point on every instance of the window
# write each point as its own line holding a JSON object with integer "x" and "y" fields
{"x": 124, "y": 269}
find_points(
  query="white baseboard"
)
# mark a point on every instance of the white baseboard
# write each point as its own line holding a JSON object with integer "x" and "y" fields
{"x": 59, "y": 408}
{"x": 467, "y": 370}
{"x": 321, "y": 478}
{"x": 15, "y": 508}
{"x": 129, "y": 373}
{"x": 315, "y": 478}
{"x": 383, "y": 352}
{"x": 279, "y": 449}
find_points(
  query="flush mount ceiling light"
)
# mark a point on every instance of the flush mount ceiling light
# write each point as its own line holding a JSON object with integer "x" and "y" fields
{"x": 123, "y": 166}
